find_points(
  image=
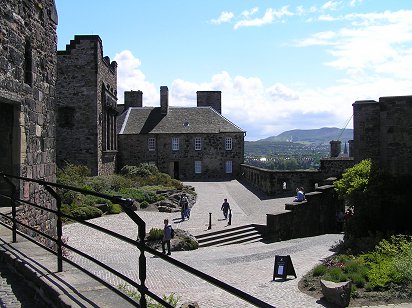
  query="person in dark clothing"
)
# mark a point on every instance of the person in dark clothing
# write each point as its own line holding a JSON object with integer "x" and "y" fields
{"x": 225, "y": 208}
{"x": 184, "y": 206}
{"x": 167, "y": 236}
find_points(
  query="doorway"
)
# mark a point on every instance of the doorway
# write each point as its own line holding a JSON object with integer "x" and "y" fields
{"x": 174, "y": 169}
{"x": 6, "y": 148}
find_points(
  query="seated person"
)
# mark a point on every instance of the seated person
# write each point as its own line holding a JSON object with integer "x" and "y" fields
{"x": 300, "y": 196}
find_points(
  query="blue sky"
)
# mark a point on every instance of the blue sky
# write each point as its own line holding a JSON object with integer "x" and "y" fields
{"x": 280, "y": 65}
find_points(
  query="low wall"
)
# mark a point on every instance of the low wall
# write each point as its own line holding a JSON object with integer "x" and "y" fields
{"x": 335, "y": 166}
{"x": 281, "y": 183}
{"x": 315, "y": 216}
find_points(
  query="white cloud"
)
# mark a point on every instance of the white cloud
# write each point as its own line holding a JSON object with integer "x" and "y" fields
{"x": 280, "y": 91}
{"x": 130, "y": 77}
{"x": 331, "y": 5}
{"x": 374, "y": 43}
{"x": 248, "y": 13}
{"x": 224, "y": 17}
{"x": 269, "y": 17}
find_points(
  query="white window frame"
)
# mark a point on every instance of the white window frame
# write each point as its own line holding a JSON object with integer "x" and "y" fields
{"x": 175, "y": 144}
{"x": 228, "y": 143}
{"x": 151, "y": 144}
{"x": 198, "y": 143}
{"x": 229, "y": 166}
{"x": 198, "y": 166}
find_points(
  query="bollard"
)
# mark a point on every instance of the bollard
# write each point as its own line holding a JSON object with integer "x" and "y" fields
{"x": 210, "y": 221}
{"x": 230, "y": 218}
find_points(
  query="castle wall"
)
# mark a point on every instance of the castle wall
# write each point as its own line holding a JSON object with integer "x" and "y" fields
{"x": 281, "y": 183}
{"x": 27, "y": 88}
{"x": 316, "y": 215}
{"x": 334, "y": 167}
{"x": 395, "y": 135}
{"x": 86, "y": 90}
{"x": 366, "y": 127}
{"x": 133, "y": 149}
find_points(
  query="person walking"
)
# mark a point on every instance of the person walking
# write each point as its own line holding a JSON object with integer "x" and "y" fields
{"x": 167, "y": 236}
{"x": 225, "y": 208}
{"x": 184, "y": 205}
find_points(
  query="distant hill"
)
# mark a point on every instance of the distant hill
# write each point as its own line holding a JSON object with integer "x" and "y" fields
{"x": 319, "y": 136}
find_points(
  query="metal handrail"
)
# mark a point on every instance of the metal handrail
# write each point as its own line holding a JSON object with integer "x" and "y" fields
{"x": 126, "y": 205}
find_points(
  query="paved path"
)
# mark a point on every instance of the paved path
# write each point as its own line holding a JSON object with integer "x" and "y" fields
{"x": 248, "y": 267}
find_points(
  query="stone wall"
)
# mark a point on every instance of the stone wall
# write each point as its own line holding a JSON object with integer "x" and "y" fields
{"x": 86, "y": 91}
{"x": 133, "y": 149}
{"x": 27, "y": 90}
{"x": 396, "y": 135}
{"x": 281, "y": 183}
{"x": 382, "y": 132}
{"x": 315, "y": 216}
{"x": 334, "y": 167}
{"x": 366, "y": 130}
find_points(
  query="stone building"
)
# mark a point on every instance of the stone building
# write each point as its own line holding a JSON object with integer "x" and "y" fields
{"x": 27, "y": 87}
{"x": 383, "y": 132}
{"x": 185, "y": 142}
{"x": 86, "y": 98}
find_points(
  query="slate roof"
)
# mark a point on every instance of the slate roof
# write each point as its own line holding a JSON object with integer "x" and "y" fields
{"x": 178, "y": 120}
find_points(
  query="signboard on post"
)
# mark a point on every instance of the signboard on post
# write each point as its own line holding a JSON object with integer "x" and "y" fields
{"x": 283, "y": 267}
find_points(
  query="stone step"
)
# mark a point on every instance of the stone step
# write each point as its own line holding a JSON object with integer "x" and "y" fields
{"x": 236, "y": 235}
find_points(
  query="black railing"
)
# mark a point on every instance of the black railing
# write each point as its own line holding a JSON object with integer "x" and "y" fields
{"x": 126, "y": 204}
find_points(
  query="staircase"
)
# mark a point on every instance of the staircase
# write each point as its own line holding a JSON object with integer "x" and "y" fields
{"x": 236, "y": 235}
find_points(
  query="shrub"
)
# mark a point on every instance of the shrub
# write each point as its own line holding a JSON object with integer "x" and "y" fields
{"x": 155, "y": 234}
{"x": 139, "y": 194}
{"x": 189, "y": 244}
{"x": 115, "y": 208}
{"x": 141, "y": 170}
{"x": 144, "y": 204}
{"x": 336, "y": 274}
{"x": 319, "y": 270}
{"x": 85, "y": 212}
{"x": 73, "y": 175}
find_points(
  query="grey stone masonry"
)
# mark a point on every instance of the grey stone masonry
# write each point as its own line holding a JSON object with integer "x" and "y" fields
{"x": 382, "y": 132}
{"x": 86, "y": 106}
{"x": 27, "y": 91}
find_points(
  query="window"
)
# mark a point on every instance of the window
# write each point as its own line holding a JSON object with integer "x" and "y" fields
{"x": 151, "y": 144}
{"x": 28, "y": 64}
{"x": 228, "y": 166}
{"x": 228, "y": 143}
{"x": 175, "y": 144}
{"x": 107, "y": 120}
{"x": 198, "y": 166}
{"x": 198, "y": 143}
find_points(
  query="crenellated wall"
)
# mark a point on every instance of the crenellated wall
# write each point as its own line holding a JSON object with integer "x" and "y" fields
{"x": 86, "y": 100}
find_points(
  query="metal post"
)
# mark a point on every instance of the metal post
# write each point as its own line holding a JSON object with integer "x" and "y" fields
{"x": 230, "y": 218}
{"x": 13, "y": 199}
{"x": 210, "y": 221}
{"x": 59, "y": 228}
{"x": 141, "y": 234}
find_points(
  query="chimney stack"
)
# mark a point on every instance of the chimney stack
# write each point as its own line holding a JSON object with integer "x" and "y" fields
{"x": 210, "y": 98}
{"x": 133, "y": 99}
{"x": 335, "y": 148}
{"x": 164, "y": 99}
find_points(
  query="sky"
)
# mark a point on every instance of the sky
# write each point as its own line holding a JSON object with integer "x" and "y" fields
{"x": 280, "y": 65}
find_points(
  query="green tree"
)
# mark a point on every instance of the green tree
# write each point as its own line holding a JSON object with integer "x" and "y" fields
{"x": 353, "y": 186}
